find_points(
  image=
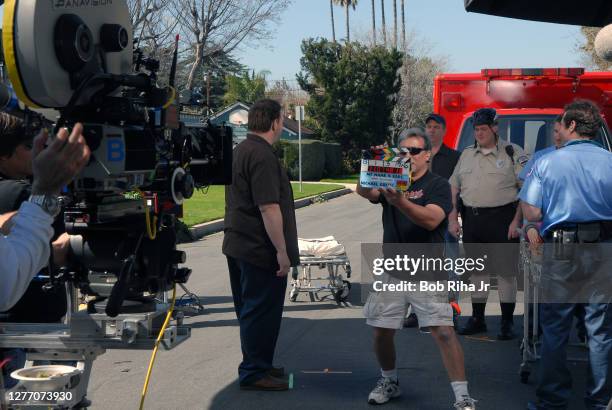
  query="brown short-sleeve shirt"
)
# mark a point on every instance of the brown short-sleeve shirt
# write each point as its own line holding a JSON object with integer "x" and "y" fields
{"x": 489, "y": 179}
{"x": 257, "y": 179}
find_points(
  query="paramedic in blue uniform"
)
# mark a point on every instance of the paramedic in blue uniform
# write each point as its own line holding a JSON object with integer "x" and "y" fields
{"x": 570, "y": 191}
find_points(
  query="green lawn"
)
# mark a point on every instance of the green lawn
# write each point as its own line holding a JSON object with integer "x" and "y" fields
{"x": 346, "y": 179}
{"x": 210, "y": 205}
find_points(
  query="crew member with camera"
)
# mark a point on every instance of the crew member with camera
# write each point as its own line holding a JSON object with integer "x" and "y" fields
{"x": 486, "y": 177}
{"x": 25, "y": 250}
{"x": 418, "y": 216}
{"x": 260, "y": 243}
{"x": 570, "y": 191}
{"x": 15, "y": 168}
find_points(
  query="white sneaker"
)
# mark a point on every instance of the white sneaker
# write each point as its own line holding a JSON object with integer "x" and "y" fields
{"x": 385, "y": 390}
{"x": 466, "y": 404}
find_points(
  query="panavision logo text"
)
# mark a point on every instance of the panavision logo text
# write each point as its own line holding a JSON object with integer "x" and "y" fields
{"x": 73, "y": 4}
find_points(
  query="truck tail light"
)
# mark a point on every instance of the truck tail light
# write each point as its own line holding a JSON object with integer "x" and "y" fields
{"x": 452, "y": 101}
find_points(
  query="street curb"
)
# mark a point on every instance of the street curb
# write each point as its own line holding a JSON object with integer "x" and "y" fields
{"x": 209, "y": 228}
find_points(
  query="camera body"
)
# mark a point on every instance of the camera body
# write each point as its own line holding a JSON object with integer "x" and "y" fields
{"x": 78, "y": 58}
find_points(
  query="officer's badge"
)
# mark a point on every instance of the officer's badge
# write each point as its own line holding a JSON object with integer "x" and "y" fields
{"x": 500, "y": 163}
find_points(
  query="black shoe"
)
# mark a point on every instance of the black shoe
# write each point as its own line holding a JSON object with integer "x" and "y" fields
{"x": 411, "y": 321}
{"x": 506, "y": 332}
{"x": 473, "y": 326}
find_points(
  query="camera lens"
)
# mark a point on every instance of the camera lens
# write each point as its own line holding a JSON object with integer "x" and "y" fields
{"x": 74, "y": 43}
{"x": 113, "y": 37}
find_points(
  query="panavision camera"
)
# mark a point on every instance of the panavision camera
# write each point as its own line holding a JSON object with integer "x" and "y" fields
{"x": 78, "y": 57}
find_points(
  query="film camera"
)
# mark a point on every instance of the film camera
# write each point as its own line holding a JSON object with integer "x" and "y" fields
{"x": 78, "y": 58}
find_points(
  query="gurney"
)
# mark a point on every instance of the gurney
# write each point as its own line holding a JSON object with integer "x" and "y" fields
{"x": 323, "y": 261}
{"x": 531, "y": 266}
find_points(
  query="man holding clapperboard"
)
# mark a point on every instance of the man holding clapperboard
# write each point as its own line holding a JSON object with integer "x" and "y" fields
{"x": 415, "y": 206}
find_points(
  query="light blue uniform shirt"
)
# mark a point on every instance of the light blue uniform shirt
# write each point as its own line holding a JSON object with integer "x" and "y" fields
{"x": 571, "y": 185}
{"x": 536, "y": 155}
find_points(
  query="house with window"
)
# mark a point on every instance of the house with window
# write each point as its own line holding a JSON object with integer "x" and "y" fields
{"x": 236, "y": 116}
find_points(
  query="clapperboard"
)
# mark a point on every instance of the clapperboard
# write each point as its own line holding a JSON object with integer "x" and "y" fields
{"x": 384, "y": 168}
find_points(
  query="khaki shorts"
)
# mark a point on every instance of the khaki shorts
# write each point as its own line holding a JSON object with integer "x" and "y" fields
{"x": 389, "y": 309}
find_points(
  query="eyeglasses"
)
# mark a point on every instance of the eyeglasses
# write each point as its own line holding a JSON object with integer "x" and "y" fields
{"x": 27, "y": 145}
{"x": 411, "y": 150}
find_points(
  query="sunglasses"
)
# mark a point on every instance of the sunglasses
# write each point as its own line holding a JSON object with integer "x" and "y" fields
{"x": 411, "y": 150}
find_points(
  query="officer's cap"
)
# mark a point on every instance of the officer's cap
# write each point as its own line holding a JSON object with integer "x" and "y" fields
{"x": 485, "y": 116}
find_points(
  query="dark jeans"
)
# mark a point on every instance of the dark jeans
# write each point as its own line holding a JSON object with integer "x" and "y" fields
{"x": 259, "y": 296}
{"x": 554, "y": 381}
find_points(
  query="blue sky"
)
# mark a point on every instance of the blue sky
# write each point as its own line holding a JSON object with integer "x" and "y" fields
{"x": 470, "y": 41}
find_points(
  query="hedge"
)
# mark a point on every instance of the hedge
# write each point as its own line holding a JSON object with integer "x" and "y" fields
{"x": 319, "y": 159}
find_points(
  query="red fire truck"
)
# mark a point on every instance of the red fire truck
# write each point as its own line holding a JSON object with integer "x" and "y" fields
{"x": 527, "y": 102}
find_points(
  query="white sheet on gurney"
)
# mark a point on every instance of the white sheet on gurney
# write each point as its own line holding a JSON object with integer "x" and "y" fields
{"x": 320, "y": 247}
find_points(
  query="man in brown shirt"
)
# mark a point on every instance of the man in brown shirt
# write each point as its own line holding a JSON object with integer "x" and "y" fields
{"x": 260, "y": 243}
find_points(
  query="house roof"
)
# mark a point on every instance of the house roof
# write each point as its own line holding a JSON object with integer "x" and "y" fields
{"x": 289, "y": 124}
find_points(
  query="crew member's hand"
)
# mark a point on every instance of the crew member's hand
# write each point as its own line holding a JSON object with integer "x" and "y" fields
{"x": 283, "y": 262}
{"x": 535, "y": 241}
{"x": 56, "y": 165}
{"x": 392, "y": 196}
{"x": 453, "y": 227}
{"x": 513, "y": 231}
{"x": 6, "y": 222}
{"x": 61, "y": 249}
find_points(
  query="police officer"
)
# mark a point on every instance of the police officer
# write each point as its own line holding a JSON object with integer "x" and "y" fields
{"x": 570, "y": 191}
{"x": 486, "y": 178}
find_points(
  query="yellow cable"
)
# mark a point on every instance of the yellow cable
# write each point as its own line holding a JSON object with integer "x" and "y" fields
{"x": 154, "y": 354}
{"x": 151, "y": 230}
{"x": 171, "y": 99}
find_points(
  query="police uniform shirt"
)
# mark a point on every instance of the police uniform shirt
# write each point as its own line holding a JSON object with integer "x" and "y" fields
{"x": 489, "y": 179}
{"x": 398, "y": 228}
{"x": 571, "y": 185}
{"x": 536, "y": 155}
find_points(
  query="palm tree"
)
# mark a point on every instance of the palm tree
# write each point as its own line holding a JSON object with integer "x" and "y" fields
{"x": 394, "y": 23}
{"x": 384, "y": 26}
{"x": 403, "y": 29}
{"x": 331, "y": 9}
{"x": 347, "y": 4}
{"x": 373, "y": 23}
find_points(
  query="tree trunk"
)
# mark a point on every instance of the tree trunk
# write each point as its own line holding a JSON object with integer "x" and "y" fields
{"x": 384, "y": 26}
{"x": 403, "y": 29}
{"x": 331, "y": 10}
{"x": 395, "y": 24}
{"x": 196, "y": 63}
{"x": 348, "y": 31}
{"x": 373, "y": 23}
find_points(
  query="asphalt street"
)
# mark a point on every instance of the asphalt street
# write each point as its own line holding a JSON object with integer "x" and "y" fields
{"x": 327, "y": 348}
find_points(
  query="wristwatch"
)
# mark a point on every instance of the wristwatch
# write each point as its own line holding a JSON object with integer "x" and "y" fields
{"x": 49, "y": 203}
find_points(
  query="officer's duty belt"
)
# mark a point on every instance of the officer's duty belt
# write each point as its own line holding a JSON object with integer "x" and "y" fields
{"x": 488, "y": 210}
{"x": 596, "y": 231}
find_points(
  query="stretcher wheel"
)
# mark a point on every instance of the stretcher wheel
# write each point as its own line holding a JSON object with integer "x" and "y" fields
{"x": 342, "y": 294}
{"x": 293, "y": 295}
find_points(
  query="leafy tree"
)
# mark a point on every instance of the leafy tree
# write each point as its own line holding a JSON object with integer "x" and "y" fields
{"x": 246, "y": 88}
{"x": 352, "y": 92}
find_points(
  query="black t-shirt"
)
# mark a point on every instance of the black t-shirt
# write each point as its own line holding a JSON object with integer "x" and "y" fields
{"x": 257, "y": 179}
{"x": 445, "y": 161}
{"x": 398, "y": 228}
